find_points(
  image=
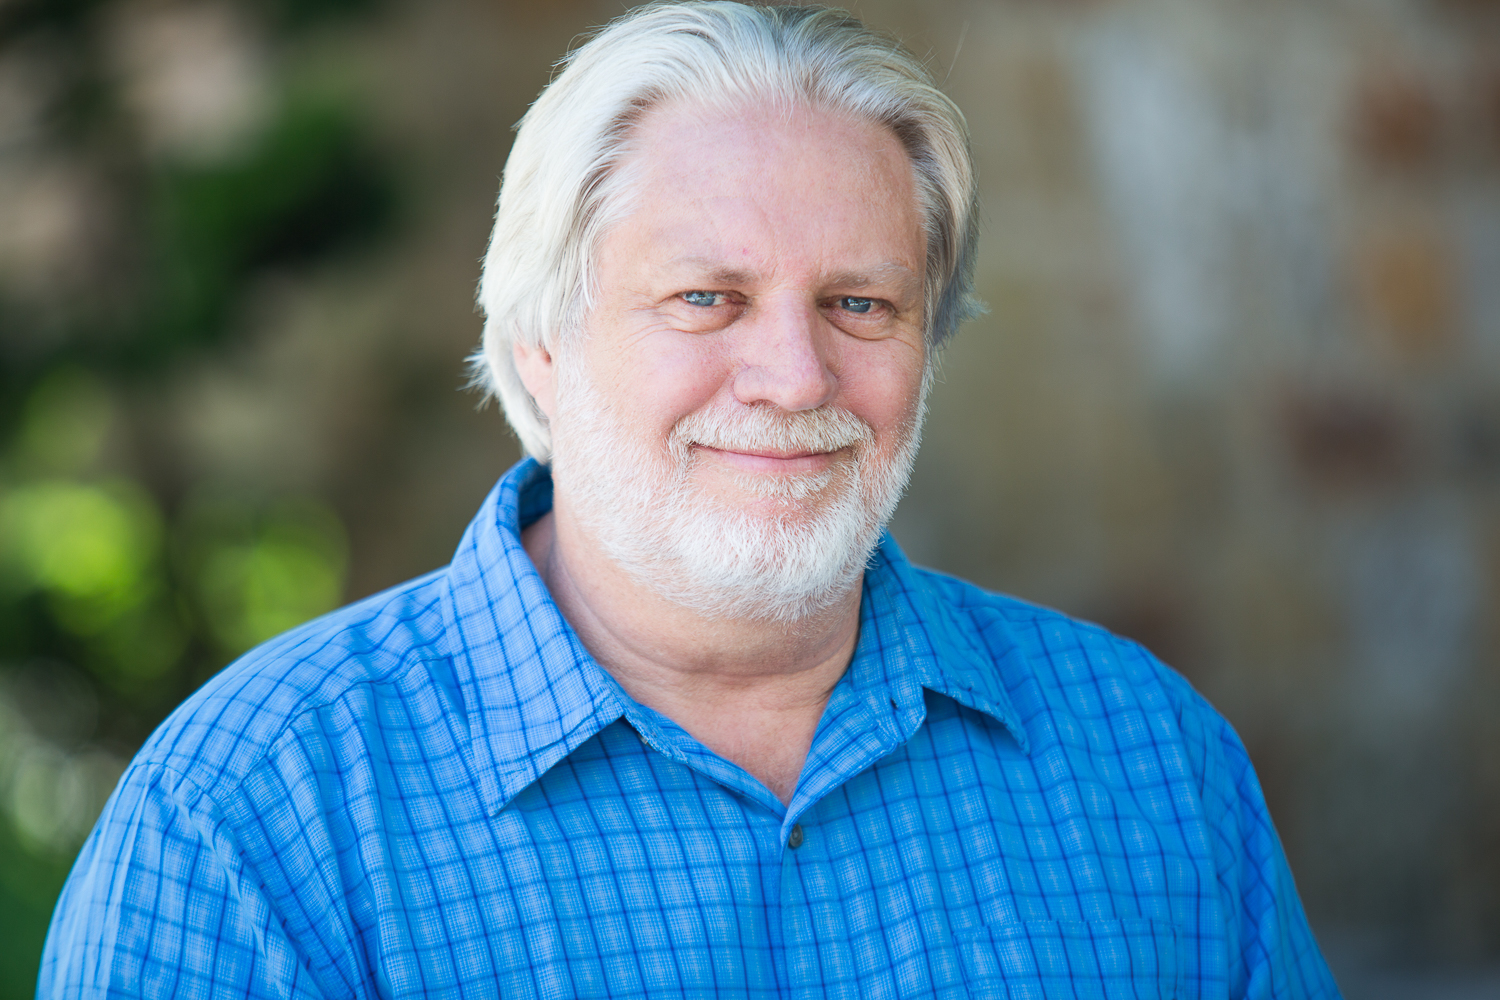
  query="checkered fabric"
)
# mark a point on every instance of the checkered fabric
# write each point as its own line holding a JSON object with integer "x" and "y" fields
{"x": 437, "y": 792}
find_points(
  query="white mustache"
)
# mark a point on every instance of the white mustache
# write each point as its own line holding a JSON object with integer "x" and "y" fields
{"x": 764, "y": 427}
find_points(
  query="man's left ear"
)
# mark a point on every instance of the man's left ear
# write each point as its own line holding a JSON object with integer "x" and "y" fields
{"x": 538, "y": 374}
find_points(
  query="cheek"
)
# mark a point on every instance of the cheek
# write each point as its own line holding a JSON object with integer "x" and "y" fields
{"x": 662, "y": 379}
{"x": 883, "y": 388}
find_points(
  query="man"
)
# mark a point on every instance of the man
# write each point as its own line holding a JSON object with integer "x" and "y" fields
{"x": 679, "y": 720}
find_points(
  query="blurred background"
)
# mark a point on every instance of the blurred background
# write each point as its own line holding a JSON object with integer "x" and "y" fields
{"x": 1237, "y": 394}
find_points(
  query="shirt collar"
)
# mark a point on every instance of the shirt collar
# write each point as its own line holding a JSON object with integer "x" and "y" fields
{"x": 532, "y": 693}
{"x": 914, "y": 635}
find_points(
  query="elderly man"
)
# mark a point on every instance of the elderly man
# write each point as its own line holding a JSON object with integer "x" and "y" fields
{"x": 679, "y": 720}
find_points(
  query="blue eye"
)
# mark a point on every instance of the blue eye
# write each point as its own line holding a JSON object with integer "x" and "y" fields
{"x": 703, "y": 299}
{"x": 854, "y": 304}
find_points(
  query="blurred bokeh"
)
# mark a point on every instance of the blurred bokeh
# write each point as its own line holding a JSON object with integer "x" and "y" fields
{"x": 1237, "y": 394}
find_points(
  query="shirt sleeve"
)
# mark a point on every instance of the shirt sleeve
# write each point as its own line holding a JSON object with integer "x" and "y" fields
{"x": 1273, "y": 955}
{"x": 160, "y": 904}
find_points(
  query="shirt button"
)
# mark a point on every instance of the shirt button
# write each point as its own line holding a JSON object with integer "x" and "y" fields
{"x": 794, "y": 839}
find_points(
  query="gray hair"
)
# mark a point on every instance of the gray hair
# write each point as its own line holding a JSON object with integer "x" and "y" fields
{"x": 561, "y": 188}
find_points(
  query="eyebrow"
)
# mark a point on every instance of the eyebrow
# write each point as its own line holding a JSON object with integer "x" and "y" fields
{"x": 874, "y": 275}
{"x": 716, "y": 271}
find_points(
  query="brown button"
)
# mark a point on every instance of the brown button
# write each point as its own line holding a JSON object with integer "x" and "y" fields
{"x": 794, "y": 839}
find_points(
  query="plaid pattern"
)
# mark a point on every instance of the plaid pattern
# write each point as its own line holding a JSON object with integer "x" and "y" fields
{"x": 436, "y": 792}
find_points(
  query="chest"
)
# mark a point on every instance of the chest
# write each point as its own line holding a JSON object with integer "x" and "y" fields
{"x": 954, "y": 867}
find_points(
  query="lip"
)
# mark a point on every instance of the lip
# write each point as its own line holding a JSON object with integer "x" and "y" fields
{"x": 782, "y": 463}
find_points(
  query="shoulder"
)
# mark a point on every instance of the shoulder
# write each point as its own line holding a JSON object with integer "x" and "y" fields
{"x": 226, "y": 729}
{"x": 1059, "y": 646}
{"x": 219, "y": 835}
{"x": 1052, "y": 662}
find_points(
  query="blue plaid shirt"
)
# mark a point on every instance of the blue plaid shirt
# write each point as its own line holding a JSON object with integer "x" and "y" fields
{"x": 437, "y": 792}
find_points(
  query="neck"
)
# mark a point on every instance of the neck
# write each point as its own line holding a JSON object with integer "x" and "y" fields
{"x": 751, "y": 690}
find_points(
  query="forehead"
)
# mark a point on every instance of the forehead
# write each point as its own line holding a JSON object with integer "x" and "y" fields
{"x": 758, "y": 177}
{"x": 686, "y": 122}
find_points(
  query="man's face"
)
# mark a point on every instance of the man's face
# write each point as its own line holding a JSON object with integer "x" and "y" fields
{"x": 743, "y": 406}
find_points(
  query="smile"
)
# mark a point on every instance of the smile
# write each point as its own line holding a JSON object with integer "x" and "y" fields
{"x": 771, "y": 461}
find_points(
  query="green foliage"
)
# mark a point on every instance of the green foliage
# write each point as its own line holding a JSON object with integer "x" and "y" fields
{"x": 29, "y": 884}
{"x": 257, "y": 573}
{"x": 23, "y": 17}
{"x": 124, "y": 582}
{"x": 308, "y": 190}
{"x": 93, "y": 551}
{"x": 297, "y": 15}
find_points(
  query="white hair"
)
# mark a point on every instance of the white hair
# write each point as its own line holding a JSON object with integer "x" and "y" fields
{"x": 560, "y": 191}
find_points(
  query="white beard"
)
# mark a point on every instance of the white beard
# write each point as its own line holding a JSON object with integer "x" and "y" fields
{"x": 794, "y": 550}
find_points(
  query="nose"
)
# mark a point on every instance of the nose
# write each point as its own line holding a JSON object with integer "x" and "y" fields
{"x": 782, "y": 357}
